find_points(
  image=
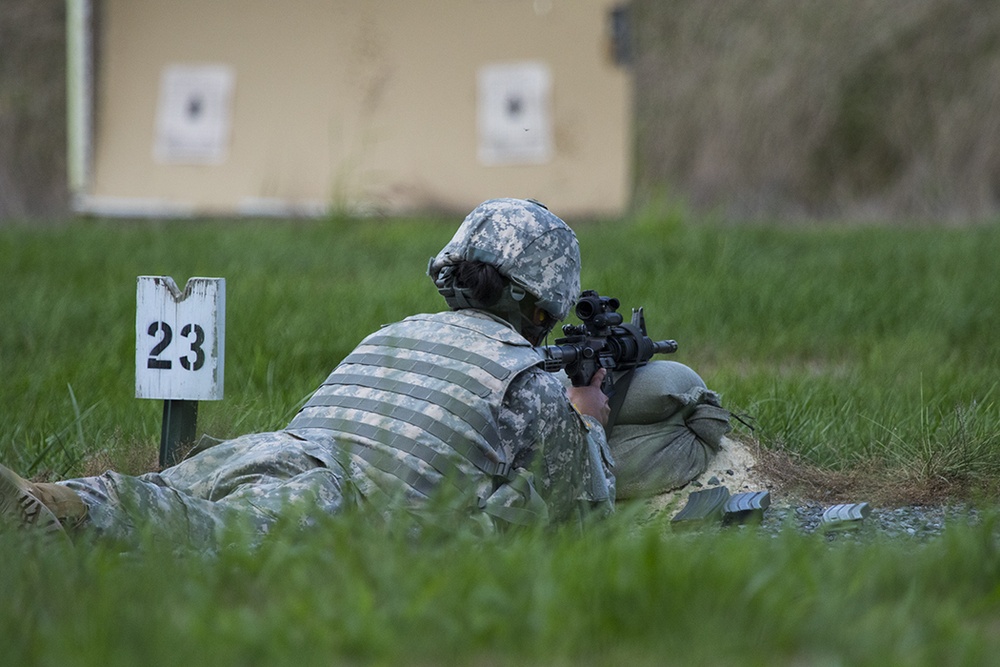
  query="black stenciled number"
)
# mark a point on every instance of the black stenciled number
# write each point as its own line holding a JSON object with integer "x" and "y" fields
{"x": 167, "y": 335}
{"x": 199, "y": 354}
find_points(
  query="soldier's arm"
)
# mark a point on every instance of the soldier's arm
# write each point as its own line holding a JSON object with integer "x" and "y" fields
{"x": 590, "y": 401}
{"x": 567, "y": 451}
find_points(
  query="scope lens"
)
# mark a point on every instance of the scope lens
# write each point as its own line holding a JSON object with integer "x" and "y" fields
{"x": 584, "y": 310}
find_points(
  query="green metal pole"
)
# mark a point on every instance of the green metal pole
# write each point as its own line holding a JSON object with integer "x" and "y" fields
{"x": 180, "y": 420}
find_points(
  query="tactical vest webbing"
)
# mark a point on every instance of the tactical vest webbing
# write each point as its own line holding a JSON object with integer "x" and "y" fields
{"x": 419, "y": 399}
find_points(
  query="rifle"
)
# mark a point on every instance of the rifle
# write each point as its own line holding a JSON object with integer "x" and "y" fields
{"x": 603, "y": 340}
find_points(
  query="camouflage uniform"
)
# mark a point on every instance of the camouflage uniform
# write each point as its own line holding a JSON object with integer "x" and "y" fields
{"x": 548, "y": 461}
{"x": 452, "y": 402}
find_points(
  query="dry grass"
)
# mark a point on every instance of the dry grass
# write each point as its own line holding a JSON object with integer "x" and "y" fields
{"x": 135, "y": 459}
{"x": 862, "y": 109}
{"x": 867, "y": 481}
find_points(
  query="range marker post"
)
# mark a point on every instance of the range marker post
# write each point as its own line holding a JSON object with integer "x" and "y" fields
{"x": 179, "y": 353}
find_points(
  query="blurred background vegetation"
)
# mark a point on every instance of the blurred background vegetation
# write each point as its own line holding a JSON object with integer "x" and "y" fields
{"x": 744, "y": 109}
{"x": 860, "y": 109}
{"x": 33, "y": 108}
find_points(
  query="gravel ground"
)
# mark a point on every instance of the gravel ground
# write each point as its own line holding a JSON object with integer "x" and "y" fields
{"x": 735, "y": 468}
{"x": 916, "y": 521}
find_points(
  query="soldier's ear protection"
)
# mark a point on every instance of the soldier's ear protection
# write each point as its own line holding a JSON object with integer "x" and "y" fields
{"x": 537, "y": 324}
{"x": 543, "y": 318}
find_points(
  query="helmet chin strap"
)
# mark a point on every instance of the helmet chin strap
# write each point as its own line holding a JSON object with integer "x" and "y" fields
{"x": 524, "y": 314}
{"x": 509, "y": 307}
{"x": 534, "y": 332}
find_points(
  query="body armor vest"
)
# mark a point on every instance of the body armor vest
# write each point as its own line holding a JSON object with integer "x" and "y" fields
{"x": 419, "y": 399}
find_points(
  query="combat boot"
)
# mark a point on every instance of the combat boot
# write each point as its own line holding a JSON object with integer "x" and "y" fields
{"x": 41, "y": 506}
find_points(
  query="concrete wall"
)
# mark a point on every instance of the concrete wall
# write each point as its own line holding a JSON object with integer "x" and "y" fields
{"x": 351, "y": 105}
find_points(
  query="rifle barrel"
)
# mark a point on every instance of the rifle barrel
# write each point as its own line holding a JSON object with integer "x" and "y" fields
{"x": 664, "y": 346}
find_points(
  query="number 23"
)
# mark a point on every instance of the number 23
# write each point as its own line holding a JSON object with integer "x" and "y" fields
{"x": 166, "y": 335}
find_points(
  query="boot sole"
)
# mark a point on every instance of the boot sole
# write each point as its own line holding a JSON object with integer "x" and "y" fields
{"x": 20, "y": 508}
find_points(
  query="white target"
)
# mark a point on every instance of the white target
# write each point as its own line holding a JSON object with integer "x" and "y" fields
{"x": 514, "y": 117}
{"x": 193, "y": 114}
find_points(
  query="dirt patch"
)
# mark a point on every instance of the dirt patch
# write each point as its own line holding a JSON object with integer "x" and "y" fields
{"x": 743, "y": 465}
{"x": 736, "y": 466}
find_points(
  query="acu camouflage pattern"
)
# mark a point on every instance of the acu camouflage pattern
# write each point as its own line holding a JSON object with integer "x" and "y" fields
{"x": 526, "y": 243}
{"x": 417, "y": 402}
{"x": 247, "y": 482}
{"x": 559, "y": 462}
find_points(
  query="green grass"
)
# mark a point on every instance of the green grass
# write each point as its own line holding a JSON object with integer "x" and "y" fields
{"x": 361, "y": 592}
{"x": 843, "y": 344}
{"x": 299, "y": 297}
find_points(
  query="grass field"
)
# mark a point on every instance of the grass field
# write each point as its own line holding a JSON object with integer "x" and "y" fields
{"x": 845, "y": 346}
{"x": 848, "y": 348}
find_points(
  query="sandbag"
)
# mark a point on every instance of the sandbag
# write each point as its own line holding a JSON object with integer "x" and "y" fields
{"x": 669, "y": 428}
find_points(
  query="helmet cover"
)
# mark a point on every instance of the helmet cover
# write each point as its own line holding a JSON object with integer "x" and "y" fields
{"x": 529, "y": 245}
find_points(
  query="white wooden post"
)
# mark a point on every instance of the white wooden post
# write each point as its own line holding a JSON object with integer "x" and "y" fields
{"x": 179, "y": 352}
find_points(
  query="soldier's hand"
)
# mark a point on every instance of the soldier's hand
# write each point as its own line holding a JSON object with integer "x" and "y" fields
{"x": 590, "y": 400}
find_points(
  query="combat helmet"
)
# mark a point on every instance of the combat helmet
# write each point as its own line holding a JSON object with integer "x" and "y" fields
{"x": 529, "y": 245}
